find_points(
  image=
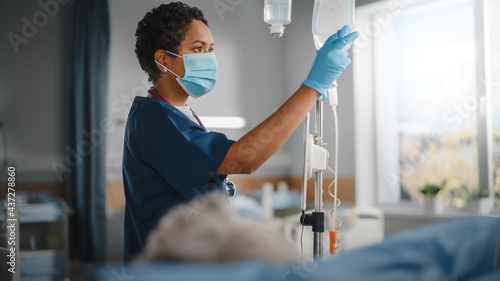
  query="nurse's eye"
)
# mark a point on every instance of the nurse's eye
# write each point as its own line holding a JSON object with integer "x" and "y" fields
{"x": 199, "y": 49}
{"x": 211, "y": 50}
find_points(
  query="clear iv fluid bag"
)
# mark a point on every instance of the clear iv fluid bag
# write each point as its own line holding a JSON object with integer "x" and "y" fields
{"x": 277, "y": 13}
{"x": 330, "y": 16}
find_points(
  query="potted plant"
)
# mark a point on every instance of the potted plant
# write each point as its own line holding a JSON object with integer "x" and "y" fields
{"x": 497, "y": 198}
{"x": 433, "y": 203}
{"x": 480, "y": 202}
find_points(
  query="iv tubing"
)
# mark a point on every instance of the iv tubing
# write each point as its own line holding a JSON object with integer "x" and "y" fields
{"x": 335, "y": 167}
{"x": 333, "y": 98}
{"x": 332, "y": 95}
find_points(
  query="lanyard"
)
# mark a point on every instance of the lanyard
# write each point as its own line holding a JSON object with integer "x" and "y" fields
{"x": 157, "y": 96}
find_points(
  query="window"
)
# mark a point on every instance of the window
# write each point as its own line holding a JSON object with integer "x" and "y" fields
{"x": 424, "y": 95}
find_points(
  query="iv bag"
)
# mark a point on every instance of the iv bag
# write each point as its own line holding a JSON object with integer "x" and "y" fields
{"x": 328, "y": 17}
{"x": 277, "y": 13}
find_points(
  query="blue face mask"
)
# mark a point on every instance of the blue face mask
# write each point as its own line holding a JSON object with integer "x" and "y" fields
{"x": 200, "y": 73}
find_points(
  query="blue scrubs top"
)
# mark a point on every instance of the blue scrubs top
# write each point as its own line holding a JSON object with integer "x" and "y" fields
{"x": 167, "y": 159}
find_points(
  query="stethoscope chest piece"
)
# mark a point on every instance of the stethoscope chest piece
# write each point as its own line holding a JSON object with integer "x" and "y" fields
{"x": 230, "y": 188}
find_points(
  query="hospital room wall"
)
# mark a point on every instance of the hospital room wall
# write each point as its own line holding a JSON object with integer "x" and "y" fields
{"x": 33, "y": 86}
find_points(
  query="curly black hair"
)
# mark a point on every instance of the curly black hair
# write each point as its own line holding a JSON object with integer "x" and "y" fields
{"x": 163, "y": 28}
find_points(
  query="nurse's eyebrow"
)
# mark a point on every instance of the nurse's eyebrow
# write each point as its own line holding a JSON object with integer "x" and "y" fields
{"x": 202, "y": 42}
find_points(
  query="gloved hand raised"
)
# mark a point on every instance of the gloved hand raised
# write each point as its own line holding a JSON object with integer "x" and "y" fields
{"x": 330, "y": 61}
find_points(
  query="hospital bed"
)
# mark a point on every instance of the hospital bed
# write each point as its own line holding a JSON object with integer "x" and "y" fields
{"x": 459, "y": 249}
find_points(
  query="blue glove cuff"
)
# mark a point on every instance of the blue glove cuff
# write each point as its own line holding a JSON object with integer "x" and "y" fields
{"x": 315, "y": 86}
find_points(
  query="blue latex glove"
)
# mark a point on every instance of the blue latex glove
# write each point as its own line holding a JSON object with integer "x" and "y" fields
{"x": 330, "y": 61}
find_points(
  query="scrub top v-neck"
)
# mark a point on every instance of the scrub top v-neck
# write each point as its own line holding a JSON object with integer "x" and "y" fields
{"x": 168, "y": 159}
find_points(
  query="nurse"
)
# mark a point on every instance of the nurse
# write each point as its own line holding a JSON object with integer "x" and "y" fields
{"x": 169, "y": 157}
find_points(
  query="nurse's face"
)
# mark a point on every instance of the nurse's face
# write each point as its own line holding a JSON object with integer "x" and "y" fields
{"x": 198, "y": 40}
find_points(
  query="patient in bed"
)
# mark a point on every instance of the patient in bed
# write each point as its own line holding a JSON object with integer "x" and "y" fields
{"x": 207, "y": 230}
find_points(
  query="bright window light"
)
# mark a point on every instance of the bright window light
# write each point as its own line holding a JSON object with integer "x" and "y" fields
{"x": 224, "y": 122}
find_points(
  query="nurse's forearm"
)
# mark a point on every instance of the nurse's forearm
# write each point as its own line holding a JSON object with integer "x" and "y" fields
{"x": 258, "y": 145}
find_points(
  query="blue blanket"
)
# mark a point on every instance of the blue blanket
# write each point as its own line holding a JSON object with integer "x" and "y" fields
{"x": 459, "y": 249}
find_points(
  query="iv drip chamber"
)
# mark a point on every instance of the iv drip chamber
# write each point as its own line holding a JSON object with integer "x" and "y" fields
{"x": 328, "y": 17}
{"x": 277, "y": 13}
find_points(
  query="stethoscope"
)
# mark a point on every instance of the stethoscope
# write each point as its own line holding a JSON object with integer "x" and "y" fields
{"x": 230, "y": 187}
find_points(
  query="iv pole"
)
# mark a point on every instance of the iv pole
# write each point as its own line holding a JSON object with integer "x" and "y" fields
{"x": 318, "y": 190}
{"x": 317, "y": 218}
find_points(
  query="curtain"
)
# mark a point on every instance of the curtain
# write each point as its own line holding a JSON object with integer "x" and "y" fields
{"x": 86, "y": 184}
